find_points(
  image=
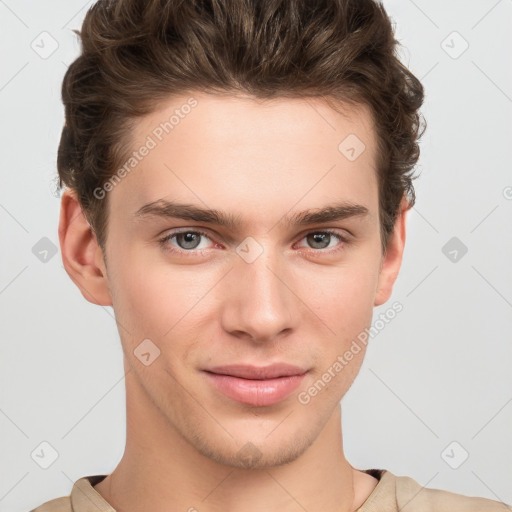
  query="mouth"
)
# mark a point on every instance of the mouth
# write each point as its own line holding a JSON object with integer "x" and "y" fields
{"x": 256, "y": 386}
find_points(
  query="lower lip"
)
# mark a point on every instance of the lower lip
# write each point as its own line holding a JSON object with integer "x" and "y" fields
{"x": 256, "y": 392}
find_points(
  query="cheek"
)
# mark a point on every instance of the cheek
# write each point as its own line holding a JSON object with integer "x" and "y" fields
{"x": 346, "y": 308}
{"x": 342, "y": 297}
{"x": 154, "y": 299}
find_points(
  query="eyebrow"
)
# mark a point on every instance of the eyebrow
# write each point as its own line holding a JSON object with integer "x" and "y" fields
{"x": 170, "y": 209}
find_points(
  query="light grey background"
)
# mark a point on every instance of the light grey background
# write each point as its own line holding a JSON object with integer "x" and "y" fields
{"x": 438, "y": 373}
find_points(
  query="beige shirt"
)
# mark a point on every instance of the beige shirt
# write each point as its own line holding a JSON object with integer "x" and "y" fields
{"x": 392, "y": 494}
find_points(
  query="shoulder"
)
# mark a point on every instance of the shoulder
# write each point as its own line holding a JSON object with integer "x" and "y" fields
{"x": 403, "y": 494}
{"x": 62, "y": 504}
{"x": 82, "y": 497}
{"x": 412, "y": 497}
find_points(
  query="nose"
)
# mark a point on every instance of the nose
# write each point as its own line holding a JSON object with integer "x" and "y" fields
{"x": 258, "y": 299}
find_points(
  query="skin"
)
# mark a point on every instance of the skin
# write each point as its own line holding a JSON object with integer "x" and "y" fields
{"x": 295, "y": 303}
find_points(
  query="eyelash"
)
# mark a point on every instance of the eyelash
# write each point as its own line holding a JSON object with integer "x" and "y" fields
{"x": 193, "y": 252}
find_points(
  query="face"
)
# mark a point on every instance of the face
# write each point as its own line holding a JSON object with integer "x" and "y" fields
{"x": 214, "y": 261}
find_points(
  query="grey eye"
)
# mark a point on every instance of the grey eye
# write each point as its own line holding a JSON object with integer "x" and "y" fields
{"x": 188, "y": 239}
{"x": 319, "y": 240}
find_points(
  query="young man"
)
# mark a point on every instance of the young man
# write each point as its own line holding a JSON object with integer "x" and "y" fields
{"x": 238, "y": 178}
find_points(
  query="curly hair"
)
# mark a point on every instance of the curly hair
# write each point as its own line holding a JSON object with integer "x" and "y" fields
{"x": 138, "y": 53}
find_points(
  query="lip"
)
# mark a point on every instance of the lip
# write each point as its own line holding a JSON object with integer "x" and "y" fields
{"x": 247, "y": 371}
{"x": 256, "y": 386}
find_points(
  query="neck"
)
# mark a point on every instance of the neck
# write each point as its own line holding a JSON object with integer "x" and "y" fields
{"x": 162, "y": 471}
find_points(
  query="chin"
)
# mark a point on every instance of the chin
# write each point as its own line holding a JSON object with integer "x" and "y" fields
{"x": 253, "y": 456}
{"x": 256, "y": 452}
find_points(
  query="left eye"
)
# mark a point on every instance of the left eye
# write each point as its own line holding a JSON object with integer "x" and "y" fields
{"x": 322, "y": 239}
{"x": 190, "y": 241}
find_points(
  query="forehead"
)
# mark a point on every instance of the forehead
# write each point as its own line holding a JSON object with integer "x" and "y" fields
{"x": 230, "y": 117}
{"x": 249, "y": 155}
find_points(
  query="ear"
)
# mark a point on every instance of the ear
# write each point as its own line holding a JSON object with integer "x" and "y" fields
{"x": 392, "y": 259}
{"x": 81, "y": 254}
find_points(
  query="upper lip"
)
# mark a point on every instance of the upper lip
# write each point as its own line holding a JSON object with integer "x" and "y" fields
{"x": 245, "y": 371}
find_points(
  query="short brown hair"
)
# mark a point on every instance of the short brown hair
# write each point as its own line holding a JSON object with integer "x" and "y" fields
{"x": 137, "y": 53}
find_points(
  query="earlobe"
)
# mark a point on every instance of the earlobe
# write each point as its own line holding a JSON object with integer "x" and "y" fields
{"x": 80, "y": 252}
{"x": 392, "y": 260}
